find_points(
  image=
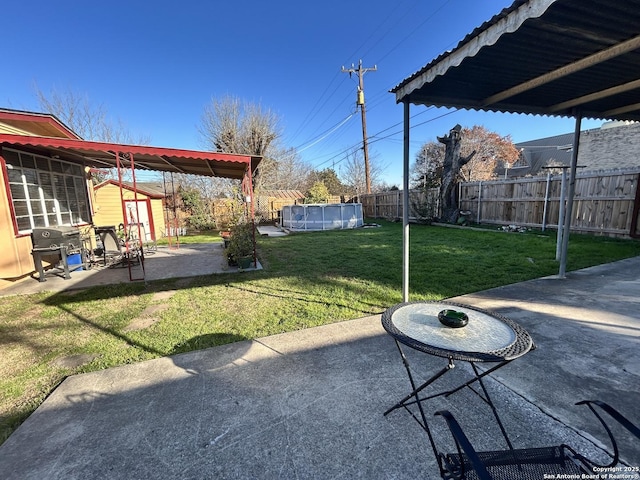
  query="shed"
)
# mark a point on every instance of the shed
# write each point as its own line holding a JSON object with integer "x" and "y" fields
{"x": 108, "y": 207}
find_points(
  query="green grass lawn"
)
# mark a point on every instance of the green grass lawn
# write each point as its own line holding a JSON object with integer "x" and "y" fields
{"x": 309, "y": 279}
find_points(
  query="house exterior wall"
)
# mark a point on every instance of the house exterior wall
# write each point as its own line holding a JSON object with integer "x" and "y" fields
{"x": 16, "y": 259}
{"x": 610, "y": 148}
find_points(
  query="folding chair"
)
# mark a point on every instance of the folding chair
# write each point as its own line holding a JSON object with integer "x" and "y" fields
{"x": 527, "y": 463}
{"x": 111, "y": 247}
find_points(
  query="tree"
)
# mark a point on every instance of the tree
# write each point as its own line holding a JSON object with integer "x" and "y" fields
{"x": 353, "y": 171}
{"x": 199, "y": 209}
{"x": 492, "y": 152}
{"x": 318, "y": 193}
{"x": 89, "y": 121}
{"x": 233, "y": 126}
{"x": 286, "y": 171}
{"x": 427, "y": 170}
{"x": 330, "y": 178}
{"x": 451, "y": 166}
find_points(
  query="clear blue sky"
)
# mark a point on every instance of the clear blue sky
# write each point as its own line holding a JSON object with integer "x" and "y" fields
{"x": 155, "y": 65}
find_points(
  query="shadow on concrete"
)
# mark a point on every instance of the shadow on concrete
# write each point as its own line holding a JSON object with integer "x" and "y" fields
{"x": 309, "y": 404}
{"x": 302, "y": 405}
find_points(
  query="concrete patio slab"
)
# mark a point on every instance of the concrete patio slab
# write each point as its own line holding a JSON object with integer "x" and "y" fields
{"x": 309, "y": 404}
{"x": 189, "y": 260}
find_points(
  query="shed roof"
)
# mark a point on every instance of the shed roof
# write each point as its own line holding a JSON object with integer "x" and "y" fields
{"x": 150, "y": 189}
{"x": 282, "y": 193}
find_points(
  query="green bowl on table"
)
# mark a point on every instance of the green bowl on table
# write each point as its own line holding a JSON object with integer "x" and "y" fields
{"x": 453, "y": 318}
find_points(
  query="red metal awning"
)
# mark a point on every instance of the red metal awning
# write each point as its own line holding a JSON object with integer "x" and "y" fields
{"x": 101, "y": 154}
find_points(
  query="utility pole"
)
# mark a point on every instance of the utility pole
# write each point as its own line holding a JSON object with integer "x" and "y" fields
{"x": 360, "y": 102}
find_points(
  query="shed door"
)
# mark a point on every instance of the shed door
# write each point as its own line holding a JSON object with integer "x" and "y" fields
{"x": 140, "y": 216}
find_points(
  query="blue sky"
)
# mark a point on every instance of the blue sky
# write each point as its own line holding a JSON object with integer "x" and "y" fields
{"x": 155, "y": 65}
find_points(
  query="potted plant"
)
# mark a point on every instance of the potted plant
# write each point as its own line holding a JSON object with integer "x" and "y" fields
{"x": 240, "y": 249}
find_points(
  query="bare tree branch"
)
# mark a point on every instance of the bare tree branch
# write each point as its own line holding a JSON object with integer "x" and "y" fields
{"x": 89, "y": 121}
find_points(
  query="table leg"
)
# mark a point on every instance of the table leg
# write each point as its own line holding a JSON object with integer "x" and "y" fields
{"x": 402, "y": 403}
{"x": 415, "y": 391}
{"x": 478, "y": 376}
{"x": 490, "y": 403}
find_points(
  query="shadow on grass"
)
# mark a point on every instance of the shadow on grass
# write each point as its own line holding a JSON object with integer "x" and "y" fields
{"x": 208, "y": 340}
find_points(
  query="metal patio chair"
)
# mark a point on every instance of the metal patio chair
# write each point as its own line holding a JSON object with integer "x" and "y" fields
{"x": 112, "y": 253}
{"x": 527, "y": 463}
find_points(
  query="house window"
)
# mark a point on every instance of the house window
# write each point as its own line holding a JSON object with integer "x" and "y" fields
{"x": 46, "y": 191}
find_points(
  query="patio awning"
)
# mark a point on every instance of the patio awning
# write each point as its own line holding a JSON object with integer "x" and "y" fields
{"x": 101, "y": 154}
{"x": 577, "y": 58}
{"x": 547, "y": 57}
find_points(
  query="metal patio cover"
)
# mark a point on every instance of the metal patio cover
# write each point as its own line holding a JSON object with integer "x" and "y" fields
{"x": 571, "y": 58}
{"x": 547, "y": 57}
{"x": 100, "y": 154}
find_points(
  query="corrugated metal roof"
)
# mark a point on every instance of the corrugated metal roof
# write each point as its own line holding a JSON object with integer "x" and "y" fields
{"x": 541, "y": 57}
{"x": 99, "y": 154}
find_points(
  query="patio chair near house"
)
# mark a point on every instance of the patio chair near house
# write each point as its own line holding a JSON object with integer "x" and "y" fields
{"x": 111, "y": 247}
{"x": 529, "y": 463}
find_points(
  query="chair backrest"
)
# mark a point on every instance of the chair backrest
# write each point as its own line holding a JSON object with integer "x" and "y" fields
{"x": 528, "y": 462}
{"x": 110, "y": 241}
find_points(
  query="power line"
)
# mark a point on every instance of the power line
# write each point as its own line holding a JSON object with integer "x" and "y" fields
{"x": 311, "y": 115}
{"x": 378, "y": 98}
{"x": 325, "y": 135}
{"x": 375, "y": 139}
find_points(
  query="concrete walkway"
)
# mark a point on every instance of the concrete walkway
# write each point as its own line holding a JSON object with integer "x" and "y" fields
{"x": 308, "y": 404}
{"x": 188, "y": 260}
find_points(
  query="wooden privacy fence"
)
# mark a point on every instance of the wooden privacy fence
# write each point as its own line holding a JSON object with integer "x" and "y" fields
{"x": 389, "y": 205}
{"x": 605, "y": 202}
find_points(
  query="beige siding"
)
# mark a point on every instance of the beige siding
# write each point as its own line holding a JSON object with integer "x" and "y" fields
{"x": 16, "y": 259}
{"x": 157, "y": 210}
{"x": 11, "y": 130}
{"x": 107, "y": 207}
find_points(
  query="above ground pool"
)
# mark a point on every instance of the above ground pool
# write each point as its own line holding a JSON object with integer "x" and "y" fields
{"x": 323, "y": 216}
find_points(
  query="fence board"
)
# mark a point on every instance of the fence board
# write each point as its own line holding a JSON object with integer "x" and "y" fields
{"x": 604, "y": 202}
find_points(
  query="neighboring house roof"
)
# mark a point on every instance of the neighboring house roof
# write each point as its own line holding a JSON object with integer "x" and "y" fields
{"x": 19, "y": 122}
{"x": 613, "y": 146}
{"x": 543, "y": 152}
{"x": 150, "y": 189}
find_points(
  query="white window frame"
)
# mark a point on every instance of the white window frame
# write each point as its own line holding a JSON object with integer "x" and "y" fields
{"x": 57, "y": 187}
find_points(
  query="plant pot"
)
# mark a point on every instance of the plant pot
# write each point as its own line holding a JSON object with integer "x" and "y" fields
{"x": 245, "y": 262}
